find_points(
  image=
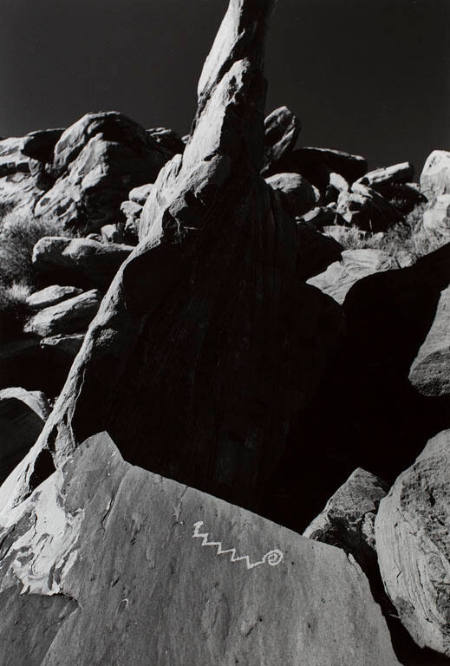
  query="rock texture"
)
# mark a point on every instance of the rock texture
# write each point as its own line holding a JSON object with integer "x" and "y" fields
{"x": 69, "y": 316}
{"x": 437, "y": 218}
{"x": 435, "y": 176}
{"x": 82, "y": 260}
{"x": 147, "y": 571}
{"x": 281, "y": 130}
{"x": 297, "y": 194}
{"x": 52, "y": 295}
{"x": 430, "y": 371}
{"x": 413, "y": 545}
{"x": 348, "y": 519}
{"x": 22, "y": 416}
{"x": 194, "y": 359}
{"x": 340, "y": 276}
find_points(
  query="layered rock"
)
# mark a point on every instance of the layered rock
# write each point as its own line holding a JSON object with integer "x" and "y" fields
{"x": 80, "y": 260}
{"x": 68, "y": 316}
{"x": 147, "y": 571}
{"x": 22, "y": 416}
{"x": 194, "y": 360}
{"x": 413, "y": 545}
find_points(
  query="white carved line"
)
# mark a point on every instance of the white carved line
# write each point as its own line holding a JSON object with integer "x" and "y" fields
{"x": 273, "y": 558}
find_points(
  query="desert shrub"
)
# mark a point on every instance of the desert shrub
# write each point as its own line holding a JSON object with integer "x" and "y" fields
{"x": 14, "y": 310}
{"x": 18, "y": 236}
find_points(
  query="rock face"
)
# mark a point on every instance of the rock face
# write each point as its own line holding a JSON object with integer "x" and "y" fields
{"x": 194, "y": 360}
{"x": 80, "y": 260}
{"x": 22, "y": 416}
{"x": 413, "y": 545}
{"x": 348, "y": 519}
{"x": 52, "y": 295}
{"x": 281, "y": 130}
{"x": 21, "y": 180}
{"x": 69, "y": 316}
{"x": 148, "y": 571}
{"x": 340, "y": 276}
{"x": 430, "y": 371}
{"x": 297, "y": 194}
{"x": 96, "y": 162}
{"x": 437, "y": 218}
{"x": 435, "y": 176}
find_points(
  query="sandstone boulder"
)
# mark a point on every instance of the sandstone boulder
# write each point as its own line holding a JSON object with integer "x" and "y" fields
{"x": 68, "y": 316}
{"x": 79, "y": 260}
{"x": 435, "y": 176}
{"x": 52, "y": 295}
{"x": 413, "y": 545}
{"x": 297, "y": 194}
{"x": 22, "y": 416}
{"x": 40, "y": 145}
{"x": 430, "y": 371}
{"x": 97, "y": 161}
{"x": 107, "y": 563}
{"x": 140, "y": 194}
{"x": 339, "y": 277}
{"x": 396, "y": 173}
{"x": 208, "y": 344}
{"x": 281, "y": 130}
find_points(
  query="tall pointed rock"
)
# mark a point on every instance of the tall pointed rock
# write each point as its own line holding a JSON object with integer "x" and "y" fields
{"x": 208, "y": 344}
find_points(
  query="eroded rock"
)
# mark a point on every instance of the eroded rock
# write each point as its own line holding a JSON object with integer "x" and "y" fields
{"x": 68, "y": 316}
{"x": 51, "y": 295}
{"x": 297, "y": 194}
{"x": 435, "y": 176}
{"x": 413, "y": 545}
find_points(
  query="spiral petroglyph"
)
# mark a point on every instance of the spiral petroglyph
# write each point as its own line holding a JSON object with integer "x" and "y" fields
{"x": 273, "y": 558}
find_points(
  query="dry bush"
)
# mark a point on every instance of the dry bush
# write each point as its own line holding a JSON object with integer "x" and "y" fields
{"x": 14, "y": 310}
{"x": 18, "y": 236}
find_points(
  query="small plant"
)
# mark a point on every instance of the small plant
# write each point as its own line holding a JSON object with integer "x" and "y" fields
{"x": 14, "y": 310}
{"x": 18, "y": 236}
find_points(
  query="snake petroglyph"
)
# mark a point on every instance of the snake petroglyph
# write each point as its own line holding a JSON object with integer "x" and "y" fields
{"x": 272, "y": 558}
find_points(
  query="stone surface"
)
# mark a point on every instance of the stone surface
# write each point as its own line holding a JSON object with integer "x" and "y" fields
{"x": 97, "y": 161}
{"x": 68, "y": 316}
{"x": 208, "y": 345}
{"x": 139, "y": 569}
{"x": 437, "y": 218}
{"x": 348, "y": 519}
{"x": 413, "y": 545}
{"x": 22, "y": 416}
{"x": 140, "y": 194}
{"x": 396, "y": 173}
{"x": 340, "y": 276}
{"x": 51, "y": 295}
{"x": 21, "y": 181}
{"x": 68, "y": 344}
{"x": 281, "y": 130}
{"x": 79, "y": 260}
{"x": 298, "y": 196}
{"x": 430, "y": 371}
{"x": 435, "y": 176}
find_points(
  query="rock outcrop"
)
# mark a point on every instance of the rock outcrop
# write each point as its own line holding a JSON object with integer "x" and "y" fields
{"x": 147, "y": 571}
{"x": 413, "y": 545}
{"x": 193, "y": 359}
{"x": 435, "y": 176}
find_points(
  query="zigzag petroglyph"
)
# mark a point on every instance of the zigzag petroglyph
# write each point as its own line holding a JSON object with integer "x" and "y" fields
{"x": 272, "y": 558}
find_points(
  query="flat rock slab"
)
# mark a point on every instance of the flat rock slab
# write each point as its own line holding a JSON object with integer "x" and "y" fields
{"x": 69, "y": 316}
{"x": 413, "y": 545}
{"x": 52, "y": 295}
{"x": 340, "y": 276}
{"x": 154, "y": 572}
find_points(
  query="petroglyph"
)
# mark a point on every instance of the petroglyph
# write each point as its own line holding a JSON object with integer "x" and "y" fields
{"x": 273, "y": 558}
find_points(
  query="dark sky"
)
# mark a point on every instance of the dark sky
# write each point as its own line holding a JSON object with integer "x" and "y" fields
{"x": 367, "y": 76}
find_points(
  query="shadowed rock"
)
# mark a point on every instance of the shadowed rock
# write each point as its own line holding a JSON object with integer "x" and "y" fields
{"x": 281, "y": 130}
{"x": 413, "y": 545}
{"x": 207, "y": 344}
{"x": 144, "y": 571}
